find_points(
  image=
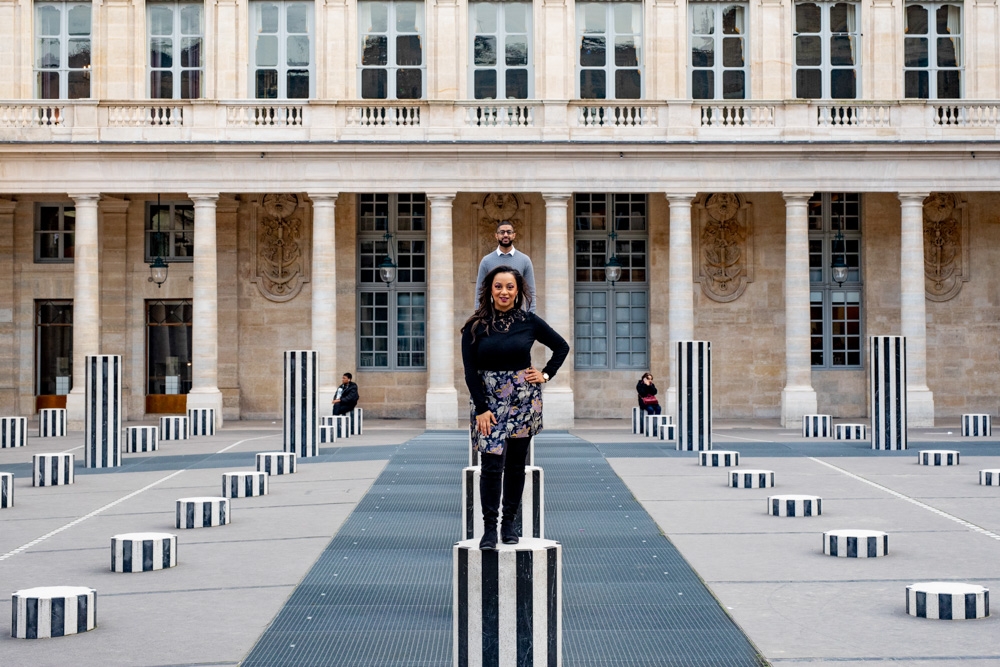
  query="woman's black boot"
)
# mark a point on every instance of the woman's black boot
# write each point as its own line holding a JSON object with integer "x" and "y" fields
{"x": 513, "y": 484}
{"x": 489, "y": 496}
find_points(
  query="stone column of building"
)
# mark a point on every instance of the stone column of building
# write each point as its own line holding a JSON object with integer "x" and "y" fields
{"x": 86, "y": 301}
{"x": 324, "y": 296}
{"x": 680, "y": 291}
{"x": 205, "y": 310}
{"x": 9, "y": 368}
{"x": 798, "y": 397}
{"x": 884, "y": 28}
{"x": 442, "y": 397}
{"x": 555, "y": 309}
{"x": 913, "y": 311}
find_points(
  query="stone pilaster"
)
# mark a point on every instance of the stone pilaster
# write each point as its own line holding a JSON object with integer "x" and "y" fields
{"x": 8, "y": 349}
{"x": 884, "y": 29}
{"x": 442, "y": 397}
{"x": 324, "y": 295}
{"x": 555, "y": 80}
{"x": 86, "y": 301}
{"x": 227, "y": 224}
{"x": 205, "y": 310}
{"x": 444, "y": 38}
{"x": 680, "y": 289}
{"x": 668, "y": 45}
{"x": 798, "y": 397}
{"x": 772, "y": 31}
{"x": 913, "y": 311}
{"x": 554, "y": 305}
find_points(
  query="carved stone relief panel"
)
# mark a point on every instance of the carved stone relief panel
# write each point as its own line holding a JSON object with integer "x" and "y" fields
{"x": 946, "y": 246}
{"x": 279, "y": 246}
{"x": 495, "y": 207}
{"x": 723, "y": 243}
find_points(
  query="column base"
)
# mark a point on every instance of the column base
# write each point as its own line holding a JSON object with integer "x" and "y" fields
{"x": 558, "y": 410}
{"x": 919, "y": 407}
{"x": 207, "y": 398}
{"x": 75, "y": 410}
{"x": 795, "y": 403}
{"x": 442, "y": 409}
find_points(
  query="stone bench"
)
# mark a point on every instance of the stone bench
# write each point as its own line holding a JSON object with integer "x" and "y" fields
{"x": 326, "y": 434}
{"x": 655, "y": 424}
{"x": 794, "y": 505}
{"x": 530, "y": 520}
{"x": 856, "y": 543}
{"x": 494, "y": 624}
{"x": 244, "y": 484}
{"x": 202, "y": 512}
{"x": 817, "y": 426}
{"x": 276, "y": 463}
{"x": 6, "y": 490}
{"x": 357, "y": 416}
{"x": 201, "y": 421}
{"x": 52, "y": 469}
{"x": 52, "y": 423}
{"x": 53, "y": 611}
{"x": 668, "y": 432}
{"x": 13, "y": 432}
{"x": 937, "y": 457}
{"x": 719, "y": 458}
{"x": 989, "y": 477}
{"x": 638, "y": 421}
{"x": 977, "y": 426}
{"x": 851, "y": 432}
{"x": 946, "y": 600}
{"x": 340, "y": 423}
{"x": 143, "y": 552}
{"x": 750, "y": 479}
{"x": 141, "y": 438}
{"x": 173, "y": 428}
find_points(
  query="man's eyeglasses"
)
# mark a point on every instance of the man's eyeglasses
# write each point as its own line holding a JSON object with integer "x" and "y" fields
{"x": 505, "y": 233}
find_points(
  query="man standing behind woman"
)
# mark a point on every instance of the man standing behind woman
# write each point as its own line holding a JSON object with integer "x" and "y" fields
{"x": 506, "y": 391}
{"x": 506, "y": 255}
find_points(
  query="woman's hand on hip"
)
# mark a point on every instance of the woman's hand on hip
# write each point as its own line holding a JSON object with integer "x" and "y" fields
{"x": 534, "y": 376}
{"x": 485, "y": 422}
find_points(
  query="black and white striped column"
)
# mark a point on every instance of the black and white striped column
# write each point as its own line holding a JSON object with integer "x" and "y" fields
{"x": 341, "y": 425}
{"x": 947, "y": 600}
{"x": 530, "y": 521}
{"x": 53, "y": 611}
{"x": 750, "y": 479}
{"x": 143, "y": 552}
{"x": 977, "y": 426}
{"x": 52, "y": 469}
{"x": 938, "y": 457}
{"x": 276, "y": 463}
{"x": 856, "y": 543}
{"x": 201, "y": 421}
{"x": 244, "y": 484}
{"x": 357, "y": 416}
{"x": 694, "y": 395}
{"x": 794, "y": 505}
{"x": 887, "y": 372}
{"x": 326, "y": 434}
{"x": 817, "y": 426}
{"x": 141, "y": 438}
{"x": 173, "y": 428}
{"x": 301, "y": 414}
{"x": 638, "y": 421}
{"x": 989, "y": 477}
{"x": 655, "y": 424}
{"x": 851, "y": 432}
{"x": 102, "y": 419}
{"x": 13, "y": 432}
{"x": 203, "y": 512}
{"x": 719, "y": 458}
{"x": 6, "y": 490}
{"x": 52, "y": 422}
{"x": 507, "y": 604}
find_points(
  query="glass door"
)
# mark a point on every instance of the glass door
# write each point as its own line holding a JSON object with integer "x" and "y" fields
{"x": 168, "y": 356}
{"x": 53, "y": 353}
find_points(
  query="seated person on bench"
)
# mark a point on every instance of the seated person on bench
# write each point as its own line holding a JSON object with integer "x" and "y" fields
{"x": 346, "y": 397}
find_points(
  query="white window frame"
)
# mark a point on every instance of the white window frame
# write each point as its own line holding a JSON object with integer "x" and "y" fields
{"x": 282, "y": 56}
{"x": 932, "y": 37}
{"x": 60, "y": 233}
{"x": 64, "y": 41}
{"x": 825, "y": 36}
{"x": 177, "y": 38}
{"x": 391, "y": 34}
{"x": 717, "y": 37}
{"x": 501, "y": 35}
{"x": 609, "y": 34}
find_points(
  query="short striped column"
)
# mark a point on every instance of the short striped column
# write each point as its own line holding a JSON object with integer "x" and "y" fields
{"x": 638, "y": 421}
{"x": 13, "y": 432}
{"x": 52, "y": 422}
{"x": 750, "y": 479}
{"x": 143, "y": 552}
{"x": 102, "y": 420}
{"x": 977, "y": 426}
{"x": 326, "y": 434}
{"x": 719, "y": 458}
{"x": 856, "y": 543}
{"x": 301, "y": 415}
{"x": 694, "y": 395}
{"x": 142, "y": 438}
{"x": 851, "y": 432}
{"x": 668, "y": 432}
{"x": 201, "y": 421}
{"x": 341, "y": 425}
{"x": 6, "y": 490}
{"x": 202, "y": 512}
{"x": 887, "y": 375}
{"x": 53, "y": 611}
{"x": 938, "y": 457}
{"x": 794, "y": 505}
{"x": 947, "y": 600}
{"x": 655, "y": 425}
{"x": 52, "y": 469}
{"x": 817, "y": 426}
{"x": 990, "y": 477}
{"x": 530, "y": 520}
{"x": 507, "y": 604}
{"x": 357, "y": 416}
{"x": 276, "y": 463}
{"x": 173, "y": 428}
{"x": 244, "y": 484}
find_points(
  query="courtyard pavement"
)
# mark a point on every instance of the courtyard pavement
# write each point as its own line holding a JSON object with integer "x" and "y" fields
{"x": 235, "y": 585}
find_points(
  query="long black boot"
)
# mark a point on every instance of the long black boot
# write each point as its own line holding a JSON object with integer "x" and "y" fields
{"x": 489, "y": 496}
{"x": 513, "y": 487}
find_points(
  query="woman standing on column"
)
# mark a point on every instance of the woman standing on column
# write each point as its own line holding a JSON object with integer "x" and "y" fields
{"x": 505, "y": 391}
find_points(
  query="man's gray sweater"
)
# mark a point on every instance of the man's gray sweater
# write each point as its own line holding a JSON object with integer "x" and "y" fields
{"x": 516, "y": 260}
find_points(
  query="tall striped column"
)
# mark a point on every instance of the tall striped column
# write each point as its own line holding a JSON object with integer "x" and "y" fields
{"x": 887, "y": 364}
{"x": 102, "y": 418}
{"x": 694, "y": 395}
{"x": 301, "y": 417}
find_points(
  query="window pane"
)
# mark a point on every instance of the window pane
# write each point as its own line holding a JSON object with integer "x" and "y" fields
{"x": 161, "y": 52}
{"x": 191, "y": 19}
{"x": 842, "y": 18}
{"x": 408, "y": 16}
{"x": 808, "y": 84}
{"x": 949, "y": 20}
{"x": 592, "y": 51}
{"x": 78, "y": 20}
{"x": 161, "y": 20}
{"x": 627, "y": 84}
{"x": 732, "y": 52}
{"x": 267, "y": 84}
{"x": 267, "y": 51}
{"x": 702, "y": 51}
{"x": 79, "y": 53}
{"x": 916, "y": 20}
{"x": 374, "y": 84}
{"x": 78, "y": 84}
{"x": 594, "y": 17}
{"x": 593, "y": 84}
{"x": 733, "y": 85}
{"x": 485, "y": 50}
{"x": 190, "y": 85}
{"x": 626, "y": 52}
{"x": 842, "y": 50}
{"x": 515, "y": 17}
{"x": 915, "y": 52}
{"x": 191, "y": 52}
{"x": 516, "y": 50}
{"x": 376, "y": 50}
{"x": 297, "y": 51}
{"x": 808, "y": 51}
{"x": 297, "y": 18}
{"x": 49, "y": 20}
{"x": 733, "y": 20}
{"x": 703, "y": 84}
{"x": 949, "y": 84}
{"x": 702, "y": 18}
{"x": 948, "y": 52}
{"x": 485, "y": 84}
{"x": 161, "y": 84}
{"x": 408, "y": 50}
{"x": 517, "y": 84}
{"x": 48, "y": 53}
{"x": 297, "y": 84}
{"x": 843, "y": 84}
{"x": 408, "y": 84}
{"x": 268, "y": 18}
{"x": 807, "y": 18}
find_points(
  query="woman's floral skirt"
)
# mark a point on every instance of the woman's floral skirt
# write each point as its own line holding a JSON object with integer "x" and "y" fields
{"x": 517, "y": 406}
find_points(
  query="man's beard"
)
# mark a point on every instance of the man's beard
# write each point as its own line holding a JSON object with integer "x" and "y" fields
{"x": 506, "y": 242}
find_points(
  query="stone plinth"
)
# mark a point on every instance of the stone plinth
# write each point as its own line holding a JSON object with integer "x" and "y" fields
{"x": 300, "y": 416}
{"x": 52, "y": 422}
{"x": 357, "y": 416}
{"x": 341, "y": 424}
{"x": 887, "y": 375}
{"x": 276, "y": 463}
{"x": 638, "y": 421}
{"x": 143, "y": 552}
{"x": 948, "y": 601}
{"x": 977, "y": 426}
{"x": 102, "y": 411}
{"x": 794, "y": 505}
{"x": 668, "y": 432}
{"x": 325, "y": 435}
{"x": 52, "y": 469}
{"x": 851, "y": 432}
{"x": 719, "y": 458}
{"x": 202, "y": 512}
{"x": 244, "y": 484}
{"x": 750, "y": 479}
{"x": 13, "y": 432}
{"x": 173, "y": 428}
{"x": 6, "y": 490}
{"x": 53, "y": 611}
{"x": 694, "y": 395}
{"x": 938, "y": 457}
{"x": 817, "y": 426}
{"x": 530, "y": 521}
{"x": 142, "y": 438}
{"x": 655, "y": 425}
{"x": 201, "y": 421}
{"x": 856, "y": 543}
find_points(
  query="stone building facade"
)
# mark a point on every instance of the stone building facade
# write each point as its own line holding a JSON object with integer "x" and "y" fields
{"x": 727, "y": 154}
